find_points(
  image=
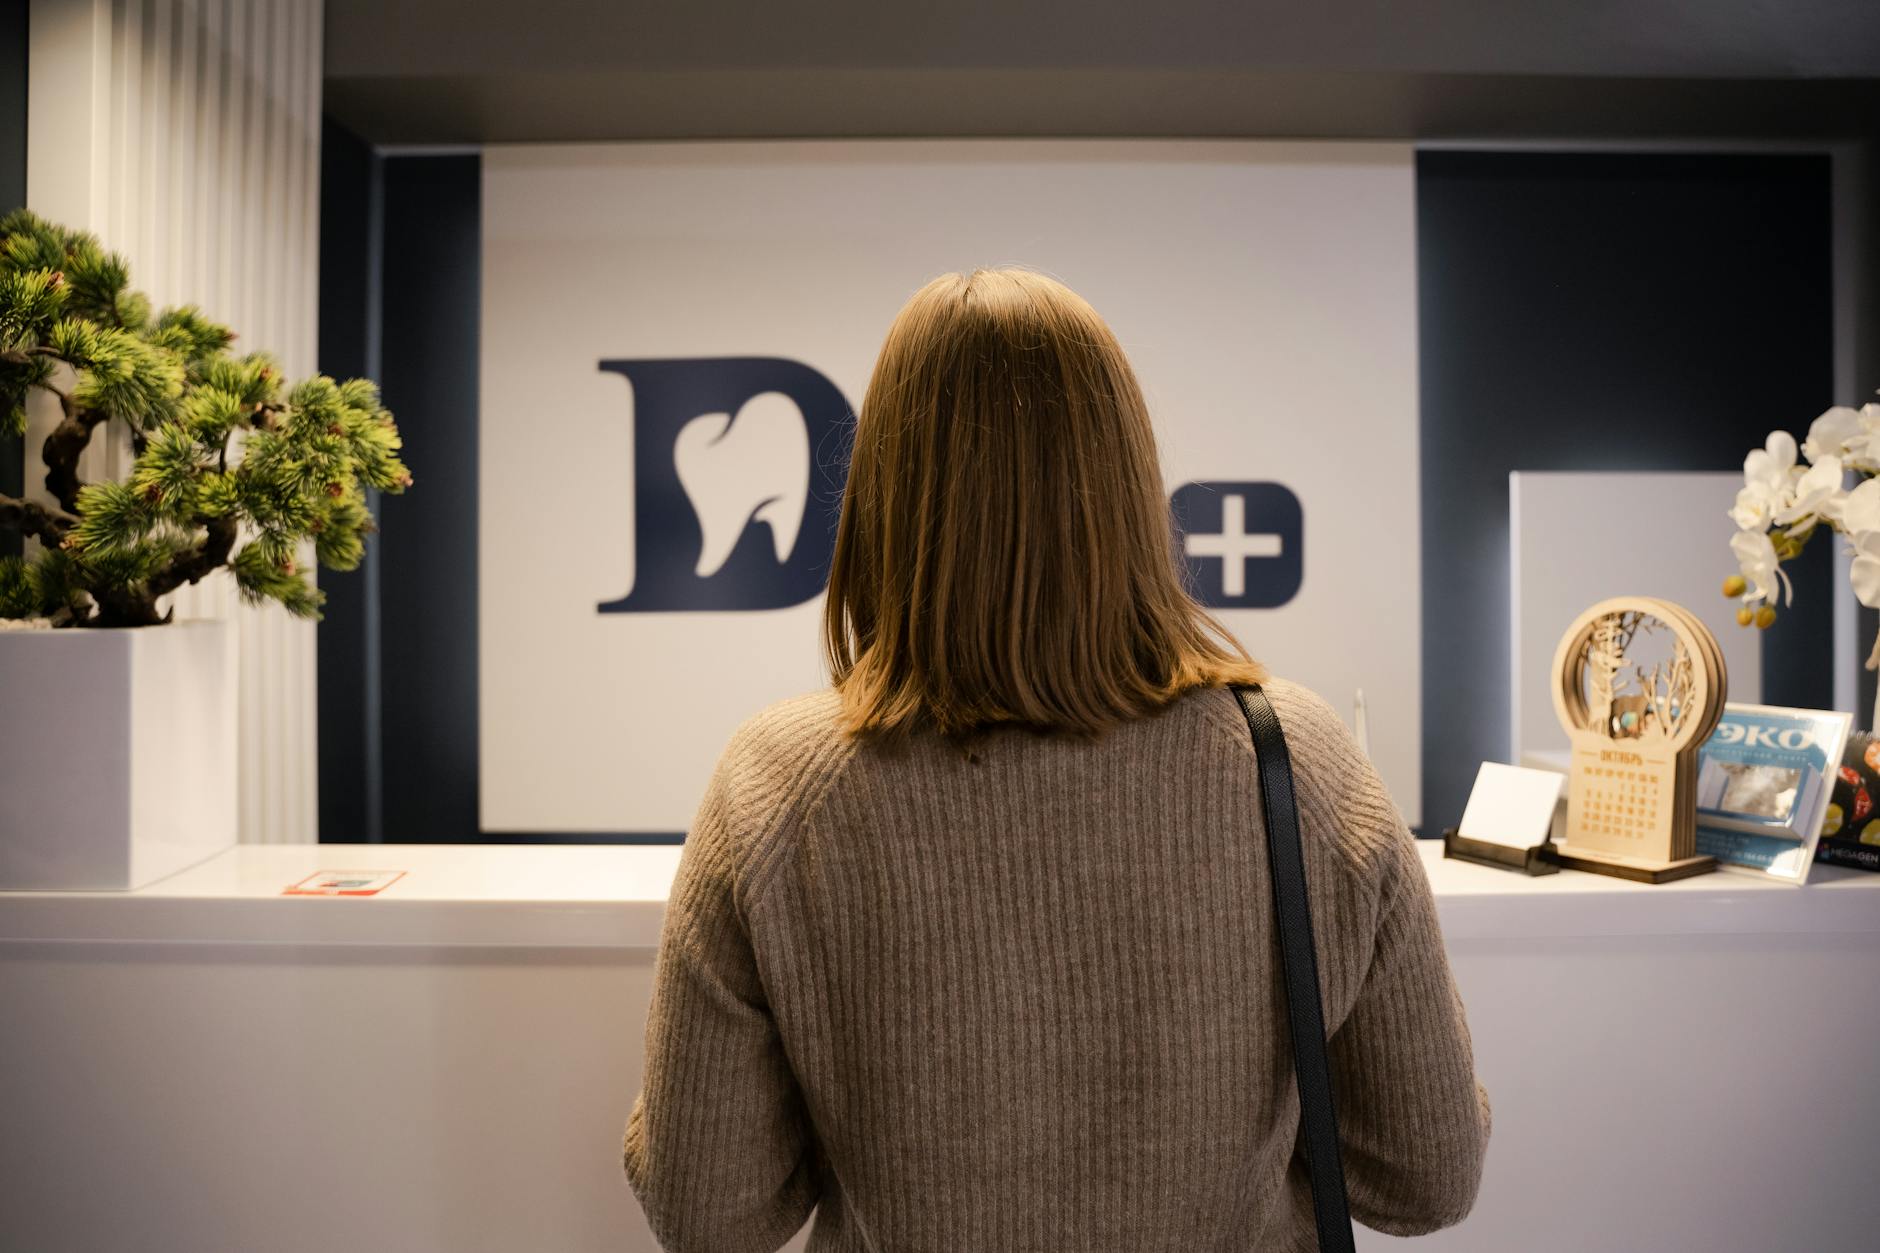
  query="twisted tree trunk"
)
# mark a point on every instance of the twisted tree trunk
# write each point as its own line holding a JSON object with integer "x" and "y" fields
{"x": 136, "y": 605}
{"x": 64, "y": 446}
{"x": 31, "y": 518}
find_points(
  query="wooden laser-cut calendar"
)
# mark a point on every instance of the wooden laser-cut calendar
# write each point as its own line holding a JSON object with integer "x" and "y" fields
{"x": 1639, "y": 684}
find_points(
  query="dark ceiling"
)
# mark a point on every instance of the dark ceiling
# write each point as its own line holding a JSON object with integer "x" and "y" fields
{"x": 432, "y": 71}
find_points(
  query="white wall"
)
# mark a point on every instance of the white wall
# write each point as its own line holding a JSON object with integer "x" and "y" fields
{"x": 1266, "y": 294}
{"x": 186, "y": 135}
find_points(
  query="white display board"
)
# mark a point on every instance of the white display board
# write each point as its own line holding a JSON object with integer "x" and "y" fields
{"x": 671, "y": 335}
{"x": 1576, "y": 538}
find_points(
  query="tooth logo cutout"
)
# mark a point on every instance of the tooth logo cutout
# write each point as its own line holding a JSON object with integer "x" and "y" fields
{"x": 737, "y": 482}
{"x": 753, "y": 467}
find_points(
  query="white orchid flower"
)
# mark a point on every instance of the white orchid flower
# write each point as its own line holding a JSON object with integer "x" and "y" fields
{"x": 1866, "y": 573}
{"x": 1863, "y": 452}
{"x": 1834, "y": 433}
{"x": 1770, "y": 464}
{"x": 1860, "y": 512}
{"x": 1818, "y": 494}
{"x": 1755, "y": 506}
{"x": 1756, "y": 556}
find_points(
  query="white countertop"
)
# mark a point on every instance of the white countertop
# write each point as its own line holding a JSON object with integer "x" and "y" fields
{"x": 613, "y": 896}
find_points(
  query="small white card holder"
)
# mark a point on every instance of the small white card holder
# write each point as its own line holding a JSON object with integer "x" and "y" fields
{"x": 1510, "y": 820}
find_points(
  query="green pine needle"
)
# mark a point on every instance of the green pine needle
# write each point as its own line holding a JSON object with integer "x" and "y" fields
{"x": 111, "y": 518}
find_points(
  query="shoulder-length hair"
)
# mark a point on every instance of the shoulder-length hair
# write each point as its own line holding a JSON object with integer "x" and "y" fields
{"x": 1005, "y": 552}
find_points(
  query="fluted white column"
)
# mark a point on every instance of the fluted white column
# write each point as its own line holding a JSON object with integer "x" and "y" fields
{"x": 186, "y": 135}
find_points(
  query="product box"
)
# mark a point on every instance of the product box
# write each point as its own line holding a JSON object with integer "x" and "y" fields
{"x": 1851, "y": 834}
{"x": 1763, "y": 783}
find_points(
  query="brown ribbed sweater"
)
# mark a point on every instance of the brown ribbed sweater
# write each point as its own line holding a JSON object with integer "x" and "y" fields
{"x": 1031, "y": 1003}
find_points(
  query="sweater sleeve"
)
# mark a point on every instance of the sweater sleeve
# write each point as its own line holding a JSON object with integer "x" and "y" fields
{"x": 1413, "y": 1121}
{"x": 718, "y": 1146}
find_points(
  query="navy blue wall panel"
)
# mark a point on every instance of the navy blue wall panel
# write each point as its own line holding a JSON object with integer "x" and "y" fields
{"x": 1578, "y": 311}
{"x": 13, "y": 29}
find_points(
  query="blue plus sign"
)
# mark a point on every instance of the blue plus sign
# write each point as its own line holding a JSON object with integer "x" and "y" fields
{"x": 1244, "y": 542}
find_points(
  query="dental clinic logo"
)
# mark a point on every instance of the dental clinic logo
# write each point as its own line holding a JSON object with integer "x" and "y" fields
{"x": 738, "y": 469}
{"x": 1244, "y": 543}
{"x": 737, "y": 487}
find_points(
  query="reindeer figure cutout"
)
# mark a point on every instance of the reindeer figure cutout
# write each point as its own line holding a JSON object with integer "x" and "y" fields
{"x": 1635, "y": 726}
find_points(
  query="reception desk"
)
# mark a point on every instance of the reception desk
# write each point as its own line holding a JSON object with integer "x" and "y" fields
{"x": 207, "y": 1064}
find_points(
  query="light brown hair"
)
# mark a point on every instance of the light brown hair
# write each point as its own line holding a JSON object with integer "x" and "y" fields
{"x": 1005, "y": 552}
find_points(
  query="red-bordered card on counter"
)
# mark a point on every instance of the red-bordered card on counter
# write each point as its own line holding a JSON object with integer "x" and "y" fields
{"x": 344, "y": 883}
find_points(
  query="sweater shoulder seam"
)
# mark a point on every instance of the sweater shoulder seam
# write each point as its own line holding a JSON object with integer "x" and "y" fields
{"x": 1229, "y": 719}
{"x": 823, "y": 763}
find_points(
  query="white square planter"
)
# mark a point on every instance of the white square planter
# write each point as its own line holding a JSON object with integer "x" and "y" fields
{"x": 117, "y": 754}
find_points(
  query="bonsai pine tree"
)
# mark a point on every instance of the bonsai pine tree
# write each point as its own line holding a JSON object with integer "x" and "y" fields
{"x": 231, "y": 468}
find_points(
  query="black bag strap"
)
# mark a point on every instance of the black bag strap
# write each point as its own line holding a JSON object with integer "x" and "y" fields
{"x": 1304, "y": 1015}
